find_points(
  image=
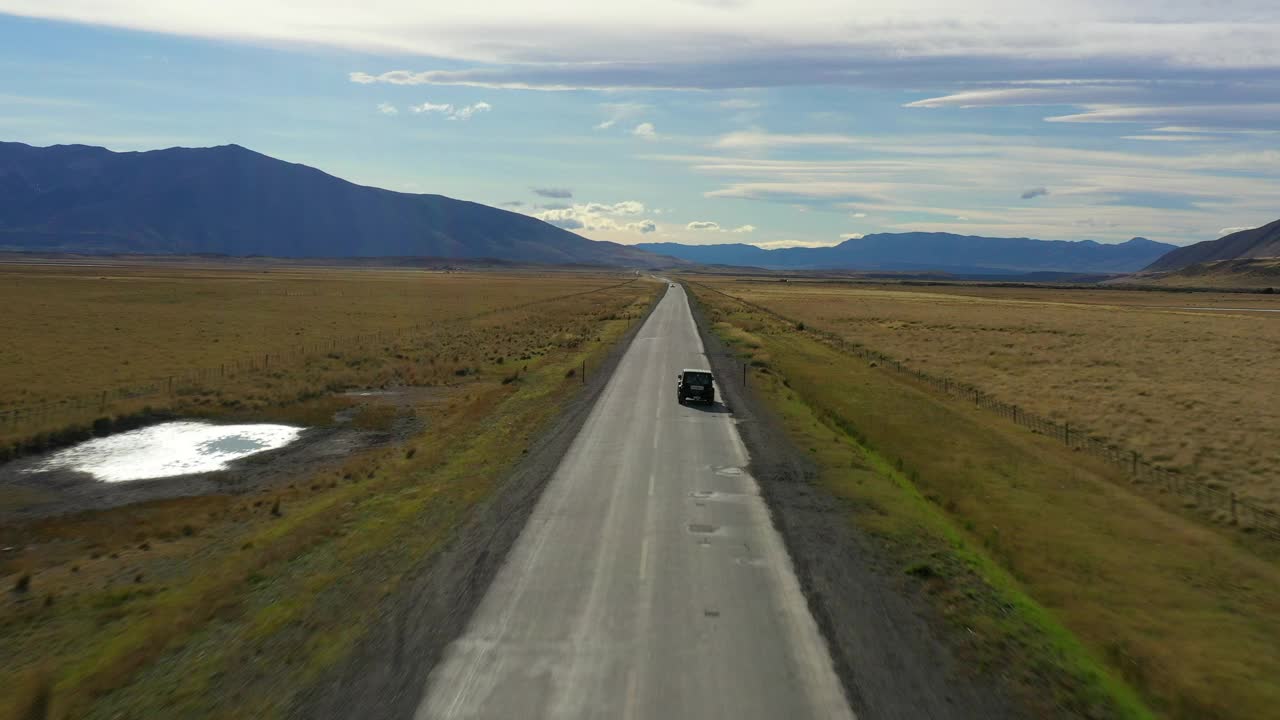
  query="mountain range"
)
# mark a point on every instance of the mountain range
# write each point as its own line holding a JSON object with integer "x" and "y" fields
{"x": 228, "y": 200}
{"x": 933, "y": 251}
{"x": 1258, "y": 242}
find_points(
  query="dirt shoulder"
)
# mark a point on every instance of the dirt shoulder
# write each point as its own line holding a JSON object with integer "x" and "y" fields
{"x": 385, "y": 676}
{"x": 886, "y": 650}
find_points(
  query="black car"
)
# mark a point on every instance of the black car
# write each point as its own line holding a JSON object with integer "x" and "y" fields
{"x": 696, "y": 385}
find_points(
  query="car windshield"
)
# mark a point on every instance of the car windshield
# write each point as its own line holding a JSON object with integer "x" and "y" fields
{"x": 697, "y": 378}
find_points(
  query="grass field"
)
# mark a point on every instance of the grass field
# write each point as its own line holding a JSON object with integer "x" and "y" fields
{"x": 1188, "y": 389}
{"x": 88, "y": 342}
{"x": 1092, "y": 601}
{"x": 225, "y": 605}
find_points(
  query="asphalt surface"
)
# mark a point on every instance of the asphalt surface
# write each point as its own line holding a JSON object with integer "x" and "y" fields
{"x": 649, "y": 581}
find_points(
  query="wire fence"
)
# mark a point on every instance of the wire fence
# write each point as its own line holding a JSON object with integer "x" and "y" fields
{"x": 1221, "y": 502}
{"x": 182, "y": 383}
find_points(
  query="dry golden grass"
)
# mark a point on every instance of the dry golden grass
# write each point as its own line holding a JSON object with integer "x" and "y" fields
{"x": 1057, "y": 576}
{"x": 73, "y": 333}
{"x": 1192, "y": 390}
{"x": 1257, "y": 273}
{"x": 218, "y": 606}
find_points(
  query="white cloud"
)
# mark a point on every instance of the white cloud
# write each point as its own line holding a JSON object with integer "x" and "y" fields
{"x": 388, "y": 109}
{"x": 465, "y": 112}
{"x": 852, "y": 236}
{"x": 710, "y": 226}
{"x": 756, "y": 139}
{"x": 565, "y": 44}
{"x": 644, "y": 130}
{"x": 1230, "y": 230}
{"x": 857, "y": 215}
{"x": 1260, "y": 116}
{"x": 1169, "y": 138}
{"x": 428, "y": 107}
{"x": 626, "y": 207}
{"x": 780, "y": 244}
{"x": 739, "y": 104}
{"x": 599, "y": 217}
{"x": 453, "y": 112}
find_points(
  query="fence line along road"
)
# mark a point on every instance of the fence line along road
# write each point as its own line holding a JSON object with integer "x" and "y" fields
{"x": 1240, "y": 512}
{"x": 101, "y": 400}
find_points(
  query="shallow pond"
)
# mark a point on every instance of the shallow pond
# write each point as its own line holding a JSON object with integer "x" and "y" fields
{"x": 168, "y": 449}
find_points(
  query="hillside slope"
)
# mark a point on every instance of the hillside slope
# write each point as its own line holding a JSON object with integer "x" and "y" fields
{"x": 233, "y": 201}
{"x": 945, "y": 252}
{"x": 1256, "y": 243}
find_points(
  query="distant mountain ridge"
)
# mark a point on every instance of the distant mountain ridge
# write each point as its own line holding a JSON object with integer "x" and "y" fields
{"x": 946, "y": 252}
{"x": 1259, "y": 242}
{"x": 228, "y": 200}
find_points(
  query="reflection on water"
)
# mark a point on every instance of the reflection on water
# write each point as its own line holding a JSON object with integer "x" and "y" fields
{"x": 168, "y": 449}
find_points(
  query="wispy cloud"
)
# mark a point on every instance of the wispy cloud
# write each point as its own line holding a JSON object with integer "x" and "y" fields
{"x": 781, "y": 244}
{"x": 645, "y": 130}
{"x": 453, "y": 112}
{"x": 560, "y": 193}
{"x": 924, "y": 182}
{"x": 388, "y": 109}
{"x": 756, "y": 139}
{"x": 710, "y": 226}
{"x": 1231, "y": 230}
{"x": 618, "y": 112}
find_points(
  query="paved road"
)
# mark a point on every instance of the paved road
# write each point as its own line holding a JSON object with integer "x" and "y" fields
{"x": 649, "y": 582}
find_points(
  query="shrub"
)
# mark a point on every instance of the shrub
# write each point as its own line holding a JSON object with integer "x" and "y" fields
{"x": 102, "y": 426}
{"x": 23, "y": 584}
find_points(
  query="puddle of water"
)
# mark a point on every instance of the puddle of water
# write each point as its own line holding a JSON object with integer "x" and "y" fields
{"x": 168, "y": 449}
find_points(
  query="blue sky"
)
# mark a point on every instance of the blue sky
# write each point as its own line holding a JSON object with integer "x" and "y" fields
{"x": 699, "y": 121}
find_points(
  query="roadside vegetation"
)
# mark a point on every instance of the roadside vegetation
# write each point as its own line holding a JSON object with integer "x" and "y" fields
{"x": 224, "y": 605}
{"x": 1089, "y": 599}
{"x": 1188, "y": 390}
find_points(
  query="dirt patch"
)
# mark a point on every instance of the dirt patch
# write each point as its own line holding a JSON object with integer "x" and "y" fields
{"x": 886, "y": 645}
{"x": 386, "y": 675}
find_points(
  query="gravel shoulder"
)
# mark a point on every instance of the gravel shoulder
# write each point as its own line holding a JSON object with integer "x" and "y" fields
{"x": 887, "y": 646}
